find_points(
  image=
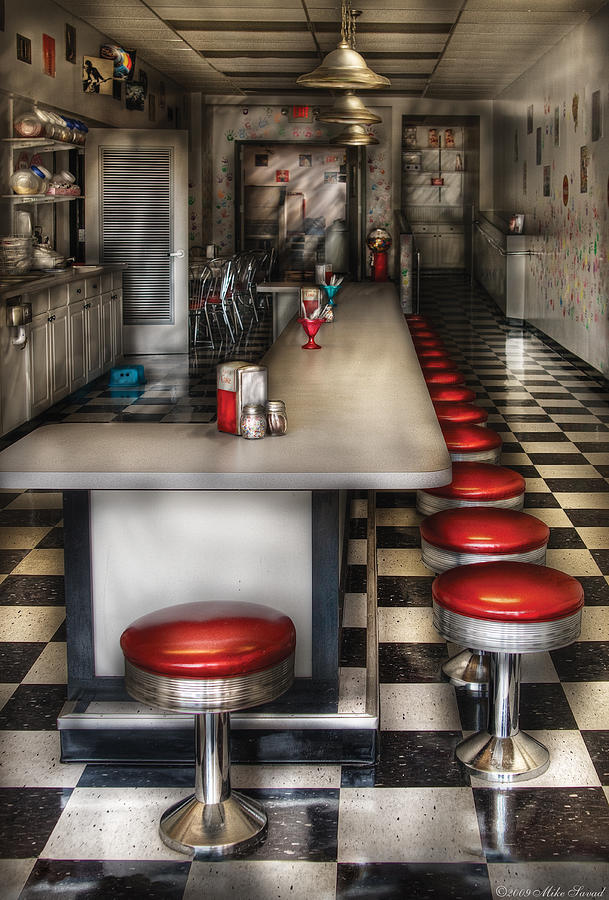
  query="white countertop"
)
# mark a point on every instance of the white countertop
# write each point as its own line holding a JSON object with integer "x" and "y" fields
{"x": 12, "y": 285}
{"x": 359, "y": 416}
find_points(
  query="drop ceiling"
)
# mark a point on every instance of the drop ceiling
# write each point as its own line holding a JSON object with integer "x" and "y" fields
{"x": 465, "y": 49}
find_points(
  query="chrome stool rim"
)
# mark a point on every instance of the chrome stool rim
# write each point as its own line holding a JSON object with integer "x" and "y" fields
{"x": 428, "y": 504}
{"x": 438, "y": 559}
{"x": 497, "y": 636}
{"x": 492, "y": 456}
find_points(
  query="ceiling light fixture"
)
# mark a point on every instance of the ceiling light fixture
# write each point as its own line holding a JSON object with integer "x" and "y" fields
{"x": 355, "y": 136}
{"x": 349, "y": 110}
{"x": 344, "y": 68}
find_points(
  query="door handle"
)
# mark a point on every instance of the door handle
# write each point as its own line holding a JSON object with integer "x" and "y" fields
{"x": 178, "y": 253}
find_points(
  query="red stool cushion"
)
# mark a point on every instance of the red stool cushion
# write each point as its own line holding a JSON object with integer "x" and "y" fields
{"x": 415, "y": 317}
{"x": 483, "y": 529}
{"x": 417, "y": 324}
{"x": 441, "y": 392}
{"x": 444, "y": 377}
{"x": 509, "y": 592}
{"x": 478, "y": 481}
{"x": 469, "y": 438}
{"x": 209, "y": 640}
{"x": 425, "y": 353}
{"x": 459, "y": 412}
{"x": 427, "y": 343}
{"x": 434, "y": 365}
{"x": 425, "y": 333}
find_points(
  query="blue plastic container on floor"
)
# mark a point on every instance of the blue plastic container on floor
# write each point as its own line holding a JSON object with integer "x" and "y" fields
{"x": 127, "y": 376}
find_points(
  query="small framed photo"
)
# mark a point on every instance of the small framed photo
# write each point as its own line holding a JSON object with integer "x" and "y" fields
{"x": 48, "y": 55}
{"x": 24, "y": 49}
{"x": 516, "y": 225}
{"x": 70, "y": 43}
{"x": 596, "y": 116}
{"x": 530, "y": 119}
{"x": 261, "y": 159}
{"x": 538, "y": 147}
{"x": 282, "y": 175}
{"x": 152, "y": 107}
{"x": 305, "y": 159}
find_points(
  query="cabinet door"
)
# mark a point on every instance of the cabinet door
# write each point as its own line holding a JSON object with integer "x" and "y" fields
{"x": 40, "y": 368}
{"x": 58, "y": 341}
{"x": 451, "y": 250}
{"x": 106, "y": 331}
{"x": 93, "y": 337}
{"x": 78, "y": 352}
{"x": 427, "y": 245}
{"x": 117, "y": 325}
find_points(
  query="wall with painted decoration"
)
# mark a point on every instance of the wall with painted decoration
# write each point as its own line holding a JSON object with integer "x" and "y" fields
{"x": 551, "y": 163}
{"x": 270, "y": 123}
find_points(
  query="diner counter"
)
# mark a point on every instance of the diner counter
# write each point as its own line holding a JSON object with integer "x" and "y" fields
{"x": 359, "y": 414}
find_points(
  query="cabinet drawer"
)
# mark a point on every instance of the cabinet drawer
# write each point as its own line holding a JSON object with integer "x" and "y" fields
{"x": 117, "y": 279}
{"x": 423, "y": 229}
{"x": 76, "y": 291}
{"x": 39, "y": 301}
{"x": 450, "y": 229}
{"x": 93, "y": 286}
{"x": 58, "y": 296}
{"x": 106, "y": 282}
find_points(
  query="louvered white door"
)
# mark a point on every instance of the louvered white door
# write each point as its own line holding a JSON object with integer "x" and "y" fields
{"x": 137, "y": 213}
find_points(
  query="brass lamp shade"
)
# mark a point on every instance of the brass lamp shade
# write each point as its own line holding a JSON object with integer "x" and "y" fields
{"x": 343, "y": 69}
{"x": 354, "y": 136}
{"x": 349, "y": 110}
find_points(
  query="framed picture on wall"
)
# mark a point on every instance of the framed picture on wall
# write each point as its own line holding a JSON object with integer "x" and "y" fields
{"x": 546, "y": 180}
{"x": 70, "y": 43}
{"x": 48, "y": 55}
{"x": 538, "y": 147}
{"x": 97, "y": 75}
{"x": 1, "y": 15}
{"x": 596, "y": 115}
{"x": 24, "y": 49}
{"x": 530, "y": 119}
{"x": 135, "y": 97}
{"x": 557, "y": 126}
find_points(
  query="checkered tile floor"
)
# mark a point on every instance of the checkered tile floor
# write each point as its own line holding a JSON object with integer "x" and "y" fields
{"x": 413, "y": 826}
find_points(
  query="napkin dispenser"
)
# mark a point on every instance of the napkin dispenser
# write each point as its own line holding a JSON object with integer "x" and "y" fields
{"x": 238, "y": 383}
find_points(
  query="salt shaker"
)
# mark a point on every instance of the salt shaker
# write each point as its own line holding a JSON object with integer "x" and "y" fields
{"x": 276, "y": 417}
{"x": 253, "y": 421}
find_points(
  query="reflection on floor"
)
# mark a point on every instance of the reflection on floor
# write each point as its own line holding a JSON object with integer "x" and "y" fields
{"x": 414, "y": 825}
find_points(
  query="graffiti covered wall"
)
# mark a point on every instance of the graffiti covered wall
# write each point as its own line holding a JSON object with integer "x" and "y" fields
{"x": 270, "y": 123}
{"x": 551, "y": 163}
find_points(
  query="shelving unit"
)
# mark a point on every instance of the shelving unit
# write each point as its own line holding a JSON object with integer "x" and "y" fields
{"x": 433, "y": 191}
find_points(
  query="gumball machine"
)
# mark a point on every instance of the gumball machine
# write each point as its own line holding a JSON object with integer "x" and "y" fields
{"x": 379, "y": 242}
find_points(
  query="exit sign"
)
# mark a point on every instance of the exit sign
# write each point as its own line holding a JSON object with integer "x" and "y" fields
{"x": 300, "y": 114}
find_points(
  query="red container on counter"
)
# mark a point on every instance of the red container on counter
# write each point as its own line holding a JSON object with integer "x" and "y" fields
{"x": 238, "y": 383}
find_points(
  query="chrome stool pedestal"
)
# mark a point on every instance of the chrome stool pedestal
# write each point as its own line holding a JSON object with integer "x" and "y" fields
{"x": 214, "y": 821}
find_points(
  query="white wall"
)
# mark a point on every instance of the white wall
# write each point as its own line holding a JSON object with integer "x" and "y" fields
{"x": 567, "y": 285}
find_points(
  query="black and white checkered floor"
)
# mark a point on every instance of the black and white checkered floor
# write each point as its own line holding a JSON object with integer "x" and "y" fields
{"x": 414, "y": 825}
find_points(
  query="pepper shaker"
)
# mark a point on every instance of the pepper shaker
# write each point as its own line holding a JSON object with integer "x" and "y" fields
{"x": 276, "y": 417}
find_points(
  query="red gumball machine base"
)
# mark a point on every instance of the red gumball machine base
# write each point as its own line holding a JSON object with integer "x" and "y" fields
{"x": 379, "y": 265}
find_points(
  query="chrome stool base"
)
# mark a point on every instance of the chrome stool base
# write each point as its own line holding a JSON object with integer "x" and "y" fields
{"x": 503, "y": 760}
{"x": 213, "y": 830}
{"x": 468, "y": 669}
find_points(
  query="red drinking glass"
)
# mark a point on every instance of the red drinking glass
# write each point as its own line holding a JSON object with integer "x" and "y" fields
{"x": 311, "y": 327}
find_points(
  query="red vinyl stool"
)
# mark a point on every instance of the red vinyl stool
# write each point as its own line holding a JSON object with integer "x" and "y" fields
{"x": 210, "y": 658}
{"x": 475, "y": 484}
{"x": 506, "y": 609}
{"x": 424, "y": 334}
{"x": 435, "y": 365}
{"x": 411, "y": 318}
{"x": 444, "y": 377}
{"x": 427, "y": 343}
{"x": 424, "y": 353}
{"x": 459, "y": 413}
{"x": 456, "y": 537}
{"x": 472, "y": 443}
{"x": 441, "y": 393}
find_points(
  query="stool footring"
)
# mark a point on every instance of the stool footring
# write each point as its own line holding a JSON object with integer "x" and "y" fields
{"x": 468, "y": 669}
{"x": 503, "y": 759}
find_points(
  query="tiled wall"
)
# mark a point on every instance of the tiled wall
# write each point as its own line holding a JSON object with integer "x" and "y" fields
{"x": 551, "y": 163}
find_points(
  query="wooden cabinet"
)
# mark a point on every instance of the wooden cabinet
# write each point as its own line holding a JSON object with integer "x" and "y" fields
{"x": 441, "y": 246}
{"x": 78, "y": 336}
{"x": 40, "y": 367}
{"x": 77, "y": 345}
{"x": 58, "y": 354}
{"x": 93, "y": 337}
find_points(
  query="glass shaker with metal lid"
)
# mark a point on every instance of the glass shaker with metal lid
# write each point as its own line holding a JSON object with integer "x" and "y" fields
{"x": 276, "y": 417}
{"x": 253, "y": 421}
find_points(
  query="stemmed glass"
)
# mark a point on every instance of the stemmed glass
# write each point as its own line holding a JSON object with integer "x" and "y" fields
{"x": 311, "y": 327}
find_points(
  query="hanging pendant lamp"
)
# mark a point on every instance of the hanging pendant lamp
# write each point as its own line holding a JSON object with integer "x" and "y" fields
{"x": 344, "y": 69}
{"x": 354, "y": 136}
{"x": 349, "y": 110}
